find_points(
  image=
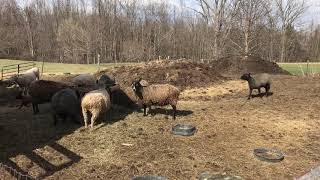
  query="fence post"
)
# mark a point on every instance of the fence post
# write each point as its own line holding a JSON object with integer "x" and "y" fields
{"x": 1, "y": 73}
{"x": 42, "y": 68}
{"x": 308, "y": 67}
{"x": 18, "y": 69}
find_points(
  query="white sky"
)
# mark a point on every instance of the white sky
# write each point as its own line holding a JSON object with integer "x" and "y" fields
{"x": 312, "y": 14}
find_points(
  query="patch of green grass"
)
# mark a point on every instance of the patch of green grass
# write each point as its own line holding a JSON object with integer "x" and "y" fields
{"x": 65, "y": 68}
{"x": 300, "y": 68}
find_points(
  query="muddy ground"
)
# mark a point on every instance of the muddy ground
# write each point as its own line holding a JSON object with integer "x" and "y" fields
{"x": 128, "y": 144}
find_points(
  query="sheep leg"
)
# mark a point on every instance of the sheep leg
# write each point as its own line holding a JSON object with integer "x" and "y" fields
{"x": 174, "y": 107}
{"x": 144, "y": 110}
{"x": 93, "y": 118}
{"x": 85, "y": 117}
{"x": 149, "y": 109}
{"x": 35, "y": 108}
{"x": 259, "y": 90}
{"x": 267, "y": 89}
{"x": 250, "y": 93}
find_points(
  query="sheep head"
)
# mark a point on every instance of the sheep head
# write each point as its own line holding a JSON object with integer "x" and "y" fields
{"x": 246, "y": 76}
{"x": 139, "y": 84}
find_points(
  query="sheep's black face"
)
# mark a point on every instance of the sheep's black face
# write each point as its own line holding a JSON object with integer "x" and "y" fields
{"x": 245, "y": 76}
{"x": 136, "y": 86}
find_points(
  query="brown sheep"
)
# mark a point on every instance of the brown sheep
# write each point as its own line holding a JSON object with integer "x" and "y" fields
{"x": 156, "y": 94}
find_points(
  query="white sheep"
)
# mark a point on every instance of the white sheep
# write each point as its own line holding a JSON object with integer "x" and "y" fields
{"x": 96, "y": 103}
{"x": 24, "y": 80}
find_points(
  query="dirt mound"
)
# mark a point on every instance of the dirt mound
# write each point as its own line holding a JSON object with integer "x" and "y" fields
{"x": 236, "y": 65}
{"x": 181, "y": 73}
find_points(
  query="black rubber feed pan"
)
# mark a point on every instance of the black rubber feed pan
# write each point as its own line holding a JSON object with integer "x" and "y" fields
{"x": 183, "y": 130}
{"x": 149, "y": 178}
{"x": 268, "y": 155}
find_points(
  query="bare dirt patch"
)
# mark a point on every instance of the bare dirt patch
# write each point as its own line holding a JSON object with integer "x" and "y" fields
{"x": 229, "y": 128}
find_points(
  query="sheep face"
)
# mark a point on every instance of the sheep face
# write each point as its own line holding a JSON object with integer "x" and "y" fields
{"x": 246, "y": 76}
{"x": 7, "y": 83}
{"x": 106, "y": 80}
{"x": 138, "y": 85}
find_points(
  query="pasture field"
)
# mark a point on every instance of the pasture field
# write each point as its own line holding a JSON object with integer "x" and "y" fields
{"x": 129, "y": 144}
{"x": 65, "y": 68}
{"x": 301, "y": 68}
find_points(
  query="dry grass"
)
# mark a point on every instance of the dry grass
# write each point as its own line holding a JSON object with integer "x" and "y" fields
{"x": 229, "y": 128}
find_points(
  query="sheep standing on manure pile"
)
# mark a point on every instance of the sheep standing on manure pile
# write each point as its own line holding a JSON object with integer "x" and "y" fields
{"x": 96, "y": 103}
{"x": 26, "y": 78}
{"x": 257, "y": 82}
{"x": 39, "y": 92}
{"x": 65, "y": 103}
{"x": 156, "y": 94}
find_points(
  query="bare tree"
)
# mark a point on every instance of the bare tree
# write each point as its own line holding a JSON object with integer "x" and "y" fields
{"x": 220, "y": 15}
{"x": 250, "y": 16}
{"x": 288, "y": 12}
{"x": 87, "y": 31}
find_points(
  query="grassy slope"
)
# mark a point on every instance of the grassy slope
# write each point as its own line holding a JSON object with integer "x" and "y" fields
{"x": 299, "y": 68}
{"x": 63, "y": 68}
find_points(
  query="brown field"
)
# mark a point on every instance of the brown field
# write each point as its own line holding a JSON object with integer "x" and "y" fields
{"x": 128, "y": 144}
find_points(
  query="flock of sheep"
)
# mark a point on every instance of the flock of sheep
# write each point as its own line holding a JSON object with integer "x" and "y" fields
{"x": 86, "y": 94}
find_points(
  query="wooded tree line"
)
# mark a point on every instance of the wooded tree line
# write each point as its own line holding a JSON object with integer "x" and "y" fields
{"x": 88, "y": 31}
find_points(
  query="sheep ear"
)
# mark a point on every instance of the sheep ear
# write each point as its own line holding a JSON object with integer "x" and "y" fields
{"x": 139, "y": 79}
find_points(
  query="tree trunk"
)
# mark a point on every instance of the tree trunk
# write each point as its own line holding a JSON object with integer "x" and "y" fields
{"x": 283, "y": 46}
{"x": 246, "y": 43}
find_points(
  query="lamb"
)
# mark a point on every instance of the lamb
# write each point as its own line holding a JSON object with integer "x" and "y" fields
{"x": 65, "y": 103}
{"x": 257, "y": 82}
{"x": 84, "y": 80}
{"x": 26, "y": 78}
{"x": 96, "y": 103}
{"x": 156, "y": 94}
{"x": 39, "y": 92}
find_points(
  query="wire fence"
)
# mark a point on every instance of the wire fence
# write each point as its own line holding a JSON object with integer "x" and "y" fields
{"x": 15, "y": 173}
